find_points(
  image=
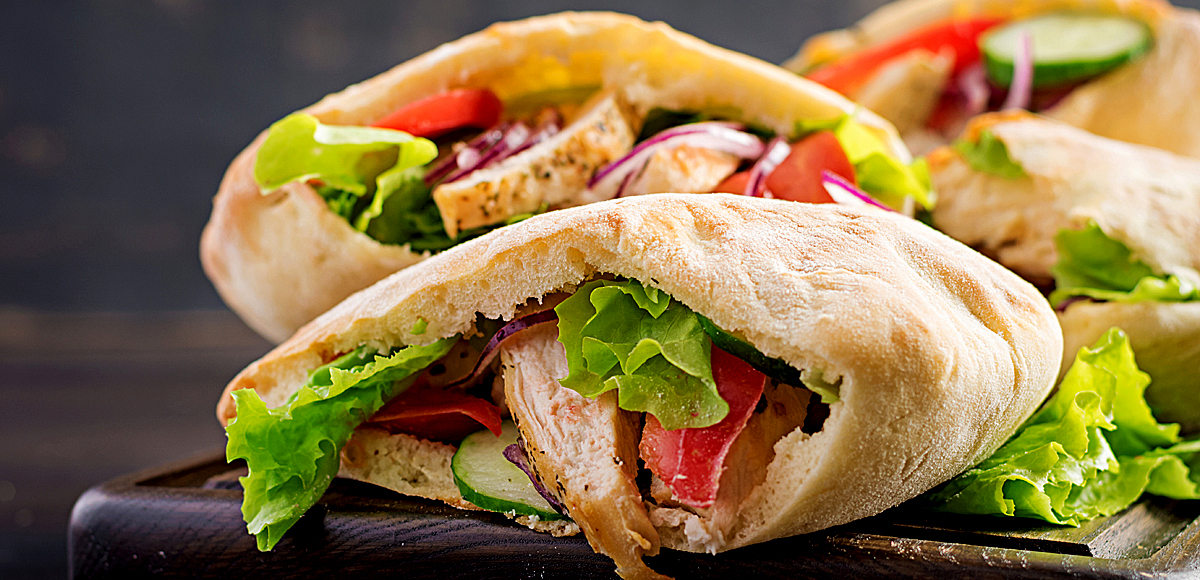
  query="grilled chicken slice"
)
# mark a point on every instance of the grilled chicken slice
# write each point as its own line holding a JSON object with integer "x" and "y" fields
{"x": 906, "y": 89}
{"x": 685, "y": 169}
{"x": 584, "y": 450}
{"x": 553, "y": 172}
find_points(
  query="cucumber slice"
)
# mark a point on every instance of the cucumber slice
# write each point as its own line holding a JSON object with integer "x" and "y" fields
{"x": 772, "y": 367}
{"x": 1067, "y": 47}
{"x": 488, "y": 480}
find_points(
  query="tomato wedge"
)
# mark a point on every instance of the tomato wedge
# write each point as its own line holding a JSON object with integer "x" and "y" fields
{"x": 689, "y": 461}
{"x": 798, "y": 178}
{"x": 436, "y": 414}
{"x": 960, "y": 35}
{"x": 735, "y": 183}
{"x": 444, "y": 112}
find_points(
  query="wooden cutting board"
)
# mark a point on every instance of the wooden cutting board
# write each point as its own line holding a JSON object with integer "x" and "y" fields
{"x": 184, "y": 520}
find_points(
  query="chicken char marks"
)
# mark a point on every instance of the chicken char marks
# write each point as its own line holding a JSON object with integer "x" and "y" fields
{"x": 584, "y": 450}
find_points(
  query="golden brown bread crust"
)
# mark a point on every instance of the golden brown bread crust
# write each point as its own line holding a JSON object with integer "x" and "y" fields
{"x": 942, "y": 353}
{"x": 1146, "y": 198}
{"x": 281, "y": 259}
{"x": 1145, "y": 102}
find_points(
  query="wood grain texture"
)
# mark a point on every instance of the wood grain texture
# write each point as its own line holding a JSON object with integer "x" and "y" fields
{"x": 183, "y": 520}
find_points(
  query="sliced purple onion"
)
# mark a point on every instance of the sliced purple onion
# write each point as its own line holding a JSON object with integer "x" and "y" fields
{"x": 547, "y": 128}
{"x": 514, "y": 137}
{"x": 625, "y": 184}
{"x": 1021, "y": 90}
{"x": 776, "y": 151}
{"x": 846, "y": 193}
{"x": 515, "y": 454}
{"x": 973, "y": 85}
{"x": 507, "y": 331}
{"x": 716, "y": 135}
{"x": 480, "y": 145}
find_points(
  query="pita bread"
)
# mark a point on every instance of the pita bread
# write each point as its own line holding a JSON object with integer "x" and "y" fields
{"x": 941, "y": 352}
{"x": 1146, "y": 198}
{"x": 1146, "y": 102}
{"x": 280, "y": 260}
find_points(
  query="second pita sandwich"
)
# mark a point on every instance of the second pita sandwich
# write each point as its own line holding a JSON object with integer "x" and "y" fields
{"x": 518, "y": 119}
{"x": 1123, "y": 69}
{"x": 1109, "y": 228}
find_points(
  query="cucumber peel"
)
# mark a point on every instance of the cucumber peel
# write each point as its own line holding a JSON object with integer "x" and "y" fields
{"x": 774, "y": 368}
{"x": 1067, "y": 47}
{"x": 487, "y": 479}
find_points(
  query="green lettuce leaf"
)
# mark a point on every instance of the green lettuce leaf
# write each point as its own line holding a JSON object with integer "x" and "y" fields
{"x": 1094, "y": 265}
{"x": 645, "y": 344}
{"x": 989, "y": 155}
{"x": 371, "y": 177}
{"x": 877, "y": 172}
{"x": 1091, "y": 450}
{"x": 292, "y": 450}
{"x": 346, "y": 158}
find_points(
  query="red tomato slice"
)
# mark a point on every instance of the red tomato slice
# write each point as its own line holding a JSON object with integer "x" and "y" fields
{"x": 961, "y": 35}
{"x": 689, "y": 461}
{"x": 436, "y": 414}
{"x": 735, "y": 183}
{"x": 798, "y": 178}
{"x": 445, "y": 112}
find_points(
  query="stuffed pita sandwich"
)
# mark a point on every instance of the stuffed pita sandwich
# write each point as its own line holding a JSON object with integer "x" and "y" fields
{"x": 515, "y": 120}
{"x": 1123, "y": 69}
{"x": 1109, "y": 227}
{"x": 688, "y": 372}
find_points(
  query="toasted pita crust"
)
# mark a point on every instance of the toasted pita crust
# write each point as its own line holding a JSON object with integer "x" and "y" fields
{"x": 1146, "y": 102}
{"x": 941, "y": 352}
{"x": 281, "y": 259}
{"x": 1144, "y": 197}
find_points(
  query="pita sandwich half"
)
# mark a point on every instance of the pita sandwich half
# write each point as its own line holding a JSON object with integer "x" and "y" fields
{"x": 1112, "y": 228}
{"x": 918, "y": 63}
{"x": 818, "y": 363}
{"x": 520, "y": 118}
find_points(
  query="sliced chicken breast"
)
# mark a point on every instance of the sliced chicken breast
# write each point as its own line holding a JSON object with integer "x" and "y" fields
{"x": 584, "y": 450}
{"x": 553, "y": 172}
{"x": 685, "y": 169}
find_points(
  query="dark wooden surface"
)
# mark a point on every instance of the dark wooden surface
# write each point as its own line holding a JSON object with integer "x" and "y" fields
{"x": 183, "y": 520}
{"x": 88, "y": 397}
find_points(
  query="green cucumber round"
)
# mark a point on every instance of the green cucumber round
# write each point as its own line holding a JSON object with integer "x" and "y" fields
{"x": 488, "y": 480}
{"x": 1067, "y": 47}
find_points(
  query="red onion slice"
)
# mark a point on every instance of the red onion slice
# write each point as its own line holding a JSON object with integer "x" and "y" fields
{"x": 1021, "y": 90}
{"x": 506, "y": 332}
{"x": 776, "y": 151}
{"x": 481, "y": 144}
{"x": 514, "y": 138}
{"x": 549, "y": 127}
{"x": 515, "y": 454}
{"x": 625, "y": 184}
{"x": 846, "y": 193}
{"x": 972, "y": 83}
{"x": 716, "y": 135}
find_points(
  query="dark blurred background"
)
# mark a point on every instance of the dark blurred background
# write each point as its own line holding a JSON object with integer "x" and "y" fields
{"x": 117, "y": 119}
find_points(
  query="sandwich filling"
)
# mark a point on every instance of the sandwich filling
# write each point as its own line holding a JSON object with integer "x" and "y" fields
{"x": 937, "y": 77}
{"x": 458, "y": 164}
{"x": 635, "y": 414}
